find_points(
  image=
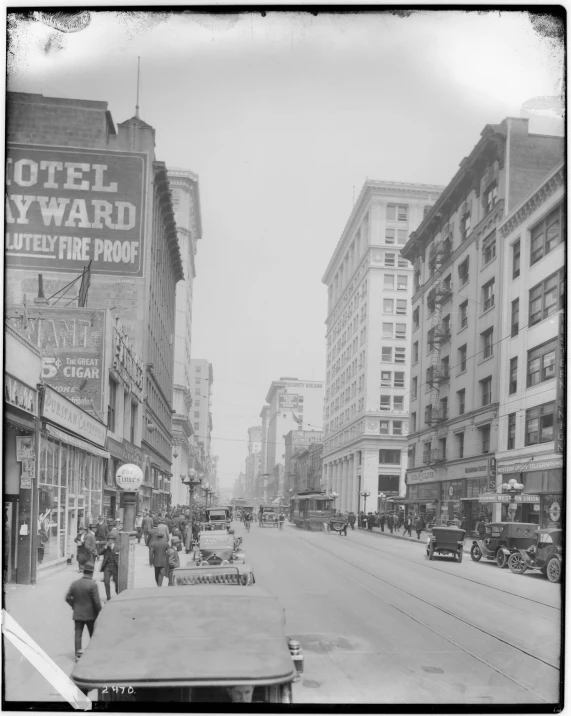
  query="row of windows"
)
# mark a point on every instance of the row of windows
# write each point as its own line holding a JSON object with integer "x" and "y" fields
{"x": 386, "y": 425}
{"x": 387, "y": 353}
{"x": 539, "y": 425}
{"x": 540, "y": 366}
{"x": 392, "y": 380}
{"x": 397, "y": 402}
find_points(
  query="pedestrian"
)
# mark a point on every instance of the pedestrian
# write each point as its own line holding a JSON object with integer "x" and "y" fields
{"x": 90, "y": 543}
{"x": 116, "y": 530}
{"x": 101, "y": 532}
{"x": 391, "y": 522}
{"x": 175, "y": 532}
{"x": 352, "y": 519}
{"x": 370, "y": 521}
{"x": 83, "y": 598}
{"x": 173, "y": 560}
{"x": 162, "y": 527}
{"x": 159, "y": 547}
{"x": 110, "y": 566}
{"x": 408, "y": 526}
{"x": 481, "y": 528}
{"x": 139, "y": 526}
{"x": 152, "y": 537}
{"x": 82, "y": 552}
{"x": 282, "y": 520}
{"x": 418, "y": 526}
{"x": 147, "y": 527}
{"x": 382, "y": 521}
{"x": 400, "y": 520}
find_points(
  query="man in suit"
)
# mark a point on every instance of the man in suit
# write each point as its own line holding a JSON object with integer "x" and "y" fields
{"x": 115, "y": 531}
{"x": 153, "y": 532}
{"x": 163, "y": 527}
{"x": 147, "y": 527}
{"x": 158, "y": 548}
{"x": 90, "y": 543}
{"x": 110, "y": 566}
{"x": 101, "y": 532}
{"x": 83, "y": 598}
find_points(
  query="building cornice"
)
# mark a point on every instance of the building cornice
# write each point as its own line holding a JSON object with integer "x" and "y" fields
{"x": 165, "y": 202}
{"x": 540, "y": 195}
{"x": 184, "y": 179}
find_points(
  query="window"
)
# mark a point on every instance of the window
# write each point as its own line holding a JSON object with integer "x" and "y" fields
{"x": 515, "y": 317}
{"x": 133, "y": 425}
{"x": 465, "y": 225}
{"x": 397, "y": 212}
{"x": 464, "y": 272}
{"x": 462, "y": 356}
{"x": 511, "y": 431}
{"x": 197, "y": 381}
{"x": 387, "y": 330}
{"x": 513, "y": 375}
{"x": 389, "y": 236}
{"x": 389, "y": 280}
{"x": 385, "y": 402}
{"x": 416, "y": 281}
{"x": 445, "y": 367}
{"x": 384, "y": 427}
{"x": 401, "y": 330}
{"x": 460, "y": 444}
{"x": 446, "y": 326}
{"x": 488, "y": 294}
{"x": 402, "y": 283}
{"x": 400, "y": 355}
{"x": 426, "y": 452}
{"x": 387, "y": 354}
{"x": 541, "y": 363}
{"x": 386, "y": 378}
{"x": 485, "y": 437}
{"x": 547, "y": 297}
{"x": 516, "y": 249}
{"x": 196, "y": 413}
{"x": 463, "y": 315}
{"x": 488, "y": 343}
{"x": 399, "y": 380}
{"x": 486, "y": 390}
{"x": 442, "y": 448}
{"x": 412, "y": 422}
{"x": 388, "y": 304}
{"x": 389, "y": 457}
{"x": 397, "y": 427}
{"x": 415, "y": 352}
{"x": 489, "y": 249}
{"x": 411, "y": 455}
{"x": 389, "y": 259}
{"x": 546, "y": 235}
{"x": 398, "y": 402}
{"x": 461, "y": 401}
{"x": 414, "y": 388}
{"x": 198, "y": 369}
{"x": 402, "y": 212}
{"x": 490, "y": 198}
{"x": 416, "y": 318}
{"x": 539, "y": 424}
{"x": 196, "y": 426}
{"x": 401, "y": 306}
{"x": 401, "y": 236}
{"x": 111, "y": 408}
{"x": 444, "y": 408}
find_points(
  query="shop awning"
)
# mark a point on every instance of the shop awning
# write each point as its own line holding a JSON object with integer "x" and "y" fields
{"x": 76, "y": 442}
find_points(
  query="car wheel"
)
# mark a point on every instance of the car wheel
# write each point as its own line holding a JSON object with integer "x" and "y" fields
{"x": 476, "y": 553}
{"x": 431, "y": 551}
{"x": 516, "y": 563}
{"x": 501, "y": 560}
{"x": 554, "y": 570}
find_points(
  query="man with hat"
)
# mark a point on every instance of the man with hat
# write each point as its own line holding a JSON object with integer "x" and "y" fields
{"x": 82, "y": 552}
{"x": 118, "y": 528}
{"x": 139, "y": 526}
{"x": 147, "y": 527}
{"x": 101, "y": 532}
{"x": 110, "y": 565}
{"x": 83, "y": 598}
{"x": 158, "y": 549}
{"x": 173, "y": 560}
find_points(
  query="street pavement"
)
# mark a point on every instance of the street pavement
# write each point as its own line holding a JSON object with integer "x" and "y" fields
{"x": 377, "y": 621}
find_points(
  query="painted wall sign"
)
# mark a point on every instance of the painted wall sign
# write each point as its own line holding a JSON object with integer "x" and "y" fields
{"x": 530, "y": 466}
{"x": 28, "y": 474}
{"x": 66, "y": 207}
{"x": 72, "y": 345}
{"x": 63, "y": 412}
{"x": 20, "y": 395}
{"x": 413, "y": 478}
{"x": 508, "y": 498}
{"x": 25, "y": 447}
{"x": 290, "y": 401}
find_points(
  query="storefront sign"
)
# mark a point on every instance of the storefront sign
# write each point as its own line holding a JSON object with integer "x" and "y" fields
{"x": 67, "y": 207}
{"x": 125, "y": 451}
{"x": 63, "y": 412}
{"x": 508, "y": 498}
{"x": 475, "y": 469}
{"x": 72, "y": 344}
{"x": 492, "y": 475}
{"x": 290, "y": 401}
{"x": 413, "y": 478}
{"x": 528, "y": 465}
{"x": 28, "y": 474}
{"x": 129, "y": 478}
{"x": 20, "y": 395}
{"x": 25, "y": 449}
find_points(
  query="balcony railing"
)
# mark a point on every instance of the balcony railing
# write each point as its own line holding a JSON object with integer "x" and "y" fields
{"x": 434, "y": 457}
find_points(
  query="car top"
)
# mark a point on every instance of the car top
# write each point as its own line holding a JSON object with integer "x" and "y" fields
{"x": 187, "y": 637}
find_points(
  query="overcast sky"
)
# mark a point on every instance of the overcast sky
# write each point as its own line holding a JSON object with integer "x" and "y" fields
{"x": 283, "y": 118}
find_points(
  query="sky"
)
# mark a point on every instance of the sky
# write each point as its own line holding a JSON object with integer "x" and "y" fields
{"x": 283, "y": 118}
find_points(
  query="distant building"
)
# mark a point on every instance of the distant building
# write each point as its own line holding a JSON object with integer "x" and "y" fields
{"x": 368, "y": 354}
{"x": 254, "y": 459}
{"x": 202, "y": 384}
{"x": 296, "y": 441}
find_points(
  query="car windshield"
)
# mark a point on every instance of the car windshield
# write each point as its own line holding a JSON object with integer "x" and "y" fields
{"x": 544, "y": 538}
{"x": 494, "y": 530}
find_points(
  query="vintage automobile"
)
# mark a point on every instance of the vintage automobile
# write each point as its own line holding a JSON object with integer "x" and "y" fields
{"x": 339, "y": 523}
{"x": 446, "y": 540}
{"x": 218, "y": 548}
{"x": 311, "y": 511}
{"x": 502, "y": 539}
{"x": 209, "y": 645}
{"x": 268, "y": 516}
{"x": 231, "y": 574}
{"x": 217, "y": 518}
{"x": 545, "y": 554}
{"x": 247, "y": 509}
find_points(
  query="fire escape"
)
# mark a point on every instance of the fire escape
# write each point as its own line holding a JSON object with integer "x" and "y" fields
{"x": 438, "y": 335}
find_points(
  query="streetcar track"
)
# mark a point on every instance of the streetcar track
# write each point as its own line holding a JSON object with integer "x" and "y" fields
{"x": 439, "y": 608}
{"x": 458, "y": 576}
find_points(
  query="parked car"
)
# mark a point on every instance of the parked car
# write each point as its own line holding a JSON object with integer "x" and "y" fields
{"x": 545, "y": 554}
{"x": 501, "y": 540}
{"x": 446, "y": 540}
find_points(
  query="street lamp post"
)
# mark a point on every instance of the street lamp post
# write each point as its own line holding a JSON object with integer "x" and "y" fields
{"x": 365, "y": 494}
{"x": 383, "y": 499}
{"x": 513, "y": 488}
{"x": 333, "y": 496}
{"x": 192, "y": 481}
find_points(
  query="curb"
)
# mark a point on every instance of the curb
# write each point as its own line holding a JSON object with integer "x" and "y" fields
{"x": 376, "y": 531}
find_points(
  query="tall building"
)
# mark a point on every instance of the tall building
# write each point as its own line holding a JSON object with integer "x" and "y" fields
{"x": 202, "y": 382}
{"x": 186, "y": 203}
{"x": 457, "y": 336}
{"x": 262, "y": 475}
{"x": 531, "y": 421}
{"x": 368, "y": 356}
{"x": 291, "y": 404}
{"x": 254, "y": 459}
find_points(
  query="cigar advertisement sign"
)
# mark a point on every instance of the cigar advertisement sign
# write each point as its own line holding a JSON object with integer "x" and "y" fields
{"x": 67, "y": 207}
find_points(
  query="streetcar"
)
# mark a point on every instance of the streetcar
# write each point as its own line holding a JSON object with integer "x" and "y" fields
{"x": 311, "y": 510}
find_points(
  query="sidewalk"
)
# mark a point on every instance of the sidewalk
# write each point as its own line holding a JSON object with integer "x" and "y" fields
{"x": 396, "y": 535}
{"x": 41, "y": 610}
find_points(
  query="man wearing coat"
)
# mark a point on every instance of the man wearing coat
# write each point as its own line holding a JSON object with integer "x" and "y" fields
{"x": 83, "y": 598}
{"x": 147, "y": 527}
{"x": 110, "y": 566}
{"x": 158, "y": 548}
{"x": 101, "y": 532}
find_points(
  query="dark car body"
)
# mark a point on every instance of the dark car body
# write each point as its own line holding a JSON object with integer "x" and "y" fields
{"x": 446, "y": 540}
{"x": 501, "y": 540}
{"x": 545, "y": 554}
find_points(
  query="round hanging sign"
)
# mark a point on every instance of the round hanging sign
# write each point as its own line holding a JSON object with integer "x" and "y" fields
{"x": 555, "y": 511}
{"x": 129, "y": 477}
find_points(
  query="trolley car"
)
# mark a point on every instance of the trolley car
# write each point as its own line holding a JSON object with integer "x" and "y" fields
{"x": 311, "y": 510}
